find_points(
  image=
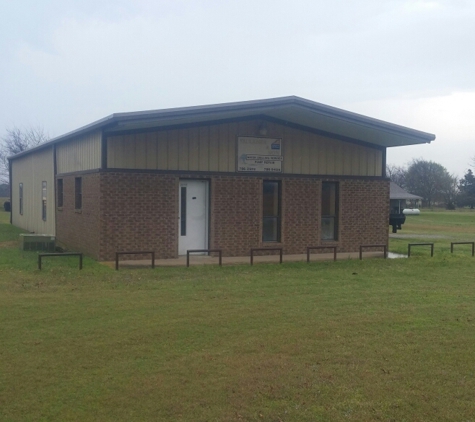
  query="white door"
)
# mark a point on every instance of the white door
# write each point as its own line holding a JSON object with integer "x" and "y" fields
{"x": 193, "y": 215}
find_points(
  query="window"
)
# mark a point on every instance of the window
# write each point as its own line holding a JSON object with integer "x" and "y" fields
{"x": 43, "y": 201}
{"x": 271, "y": 211}
{"x": 329, "y": 211}
{"x": 20, "y": 196}
{"x": 78, "y": 193}
{"x": 60, "y": 193}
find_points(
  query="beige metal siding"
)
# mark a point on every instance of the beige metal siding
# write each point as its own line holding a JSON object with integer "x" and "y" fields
{"x": 213, "y": 148}
{"x": 82, "y": 153}
{"x": 204, "y": 148}
{"x": 194, "y": 151}
{"x": 32, "y": 170}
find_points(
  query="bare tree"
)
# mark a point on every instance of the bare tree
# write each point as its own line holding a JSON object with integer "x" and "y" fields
{"x": 18, "y": 140}
{"x": 397, "y": 174}
{"x": 450, "y": 191}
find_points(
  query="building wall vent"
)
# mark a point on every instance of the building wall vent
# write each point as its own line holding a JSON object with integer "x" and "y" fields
{"x": 37, "y": 242}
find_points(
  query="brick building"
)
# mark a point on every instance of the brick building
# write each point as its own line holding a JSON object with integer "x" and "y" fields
{"x": 284, "y": 172}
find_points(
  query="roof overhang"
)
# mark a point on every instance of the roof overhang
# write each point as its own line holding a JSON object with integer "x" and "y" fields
{"x": 398, "y": 193}
{"x": 290, "y": 110}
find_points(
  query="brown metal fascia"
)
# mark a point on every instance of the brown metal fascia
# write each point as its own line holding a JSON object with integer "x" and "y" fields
{"x": 103, "y": 150}
{"x": 201, "y": 174}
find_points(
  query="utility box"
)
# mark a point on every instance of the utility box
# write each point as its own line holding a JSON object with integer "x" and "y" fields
{"x": 37, "y": 242}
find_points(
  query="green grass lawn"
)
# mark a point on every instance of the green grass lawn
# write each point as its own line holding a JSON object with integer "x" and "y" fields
{"x": 371, "y": 340}
{"x": 438, "y": 227}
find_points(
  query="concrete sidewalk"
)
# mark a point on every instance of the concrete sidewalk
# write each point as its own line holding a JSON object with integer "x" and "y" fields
{"x": 240, "y": 260}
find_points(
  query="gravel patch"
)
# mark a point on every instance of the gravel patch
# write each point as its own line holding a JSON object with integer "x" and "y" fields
{"x": 418, "y": 236}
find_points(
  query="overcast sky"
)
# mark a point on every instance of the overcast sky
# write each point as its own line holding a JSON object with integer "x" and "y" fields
{"x": 66, "y": 63}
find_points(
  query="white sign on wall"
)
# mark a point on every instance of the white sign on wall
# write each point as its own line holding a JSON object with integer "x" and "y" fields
{"x": 259, "y": 154}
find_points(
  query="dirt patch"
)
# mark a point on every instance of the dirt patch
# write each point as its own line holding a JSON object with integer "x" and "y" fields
{"x": 10, "y": 244}
{"x": 418, "y": 236}
{"x": 453, "y": 228}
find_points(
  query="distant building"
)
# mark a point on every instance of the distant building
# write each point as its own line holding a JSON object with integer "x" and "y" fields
{"x": 398, "y": 198}
{"x": 283, "y": 172}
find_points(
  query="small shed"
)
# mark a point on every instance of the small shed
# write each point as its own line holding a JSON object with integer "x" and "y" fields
{"x": 397, "y": 202}
{"x": 398, "y": 197}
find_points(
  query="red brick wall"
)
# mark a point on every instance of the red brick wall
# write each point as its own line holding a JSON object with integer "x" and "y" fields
{"x": 79, "y": 231}
{"x": 364, "y": 213}
{"x": 235, "y": 214}
{"x": 139, "y": 212}
{"x": 300, "y": 210}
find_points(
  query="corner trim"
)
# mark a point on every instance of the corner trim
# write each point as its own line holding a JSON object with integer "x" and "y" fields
{"x": 10, "y": 181}
{"x": 103, "y": 151}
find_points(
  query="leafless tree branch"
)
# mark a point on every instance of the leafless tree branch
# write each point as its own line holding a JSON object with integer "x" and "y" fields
{"x": 17, "y": 140}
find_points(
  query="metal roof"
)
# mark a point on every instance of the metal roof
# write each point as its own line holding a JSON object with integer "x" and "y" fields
{"x": 293, "y": 110}
{"x": 396, "y": 192}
